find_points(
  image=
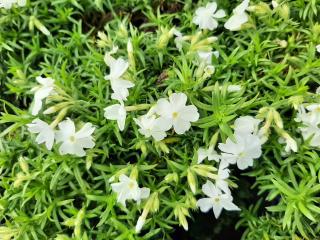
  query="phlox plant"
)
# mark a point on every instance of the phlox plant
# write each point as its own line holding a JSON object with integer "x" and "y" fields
{"x": 135, "y": 119}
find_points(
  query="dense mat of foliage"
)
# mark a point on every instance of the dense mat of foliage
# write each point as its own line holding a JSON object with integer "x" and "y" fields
{"x": 132, "y": 76}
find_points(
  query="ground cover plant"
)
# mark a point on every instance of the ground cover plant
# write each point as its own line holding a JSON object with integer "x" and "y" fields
{"x": 145, "y": 119}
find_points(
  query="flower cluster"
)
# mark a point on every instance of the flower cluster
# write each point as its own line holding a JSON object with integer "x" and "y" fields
{"x": 72, "y": 141}
{"x": 206, "y": 17}
{"x": 167, "y": 114}
{"x": 242, "y": 149}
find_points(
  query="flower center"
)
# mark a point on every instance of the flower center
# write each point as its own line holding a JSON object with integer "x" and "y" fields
{"x": 242, "y": 154}
{"x": 72, "y": 139}
{"x": 216, "y": 200}
{"x": 175, "y": 114}
{"x": 131, "y": 185}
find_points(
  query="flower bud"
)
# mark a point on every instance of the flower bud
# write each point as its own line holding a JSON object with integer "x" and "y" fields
{"x": 78, "y": 223}
{"x": 23, "y": 164}
{"x": 277, "y": 119}
{"x": 164, "y": 38}
{"x": 284, "y": 11}
{"x": 131, "y": 59}
{"x": 171, "y": 177}
{"x": 35, "y": 22}
{"x": 192, "y": 181}
{"x": 260, "y": 9}
{"x": 134, "y": 173}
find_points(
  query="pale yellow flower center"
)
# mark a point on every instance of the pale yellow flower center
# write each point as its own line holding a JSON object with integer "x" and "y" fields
{"x": 72, "y": 139}
{"x": 175, "y": 114}
{"x": 131, "y": 185}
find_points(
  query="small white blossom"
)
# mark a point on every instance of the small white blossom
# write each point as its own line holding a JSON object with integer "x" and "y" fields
{"x": 128, "y": 189}
{"x": 245, "y": 148}
{"x": 41, "y": 92}
{"x": 119, "y": 86}
{"x": 116, "y": 112}
{"x": 176, "y": 112}
{"x": 291, "y": 144}
{"x": 74, "y": 142}
{"x": 45, "y": 132}
{"x": 206, "y": 17}
{"x": 216, "y": 200}
{"x": 239, "y": 17}
{"x": 209, "y": 153}
{"x": 205, "y": 56}
{"x": 318, "y": 48}
{"x": 152, "y": 126}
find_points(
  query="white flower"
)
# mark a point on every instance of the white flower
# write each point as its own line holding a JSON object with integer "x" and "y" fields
{"x": 247, "y": 124}
{"x": 245, "y": 148}
{"x": 176, "y": 112}
{"x": 209, "y": 153}
{"x": 128, "y": 189}
{"x": 74, "y": 142}
{"x": 45, "y": 132}
{"x": 318, "y": 88}
{"x": 310, "y": 124}
{"x": 41, "y": 92}
{"x": 119, "y": 86}
{"x": 318, "y": 48}
{"x": 239, "y": 17}
{"x": 206, "y": 16}
{"x": 152, "y": 126}
{"x": 208, "y": 71}
{"x": 21, "y": 3}
{"x": 222, "y": 176}
{"x": 7, "y": 4}
{"x": 116, "y": 112}
{"x": 216, "y": 200}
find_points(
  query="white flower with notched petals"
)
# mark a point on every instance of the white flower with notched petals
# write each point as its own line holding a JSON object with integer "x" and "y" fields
{"x": 74, "y": 142}
{"x": 41, "y": 92}
{"x": 119, "y": 86}
{"x": 247, "y": 124}
{"x": 239, "y": 17}
{"x": 209, "y": 153}
{"x": 152, "y": 126}
{"x": 116, "y": 112}
{"x": 128, "y": 189}
{"x": 246, "y": 147}
{"x": 206, "y": 17}
{"x": 215, "y": 200}
{"x": 176, "y": 112}
{"x": 45, "y": 132}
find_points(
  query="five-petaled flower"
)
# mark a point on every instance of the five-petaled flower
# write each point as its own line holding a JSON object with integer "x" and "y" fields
{"x": 242, "y": 150}
{"x": 217, "y": 200}
{"x": 128, "y": 189}
{"x": 176, "y": 112}
{"x": 45, "y": 132}
{"x": 74, "y": 142}
{"x": 206, "y": 16}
